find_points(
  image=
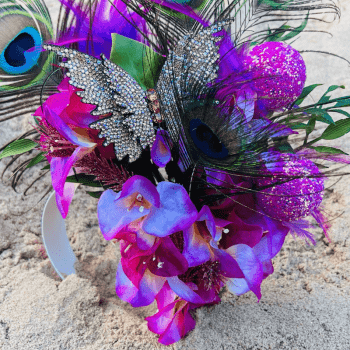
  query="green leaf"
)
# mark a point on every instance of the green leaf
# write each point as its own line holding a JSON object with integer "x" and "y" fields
{"x": 277, "y": 33}
{"x": 18, "y": 147}
{"x": 343, "y": 103}
{"x": 285, "y": 148}
{"x": 321, "y": 115}
{"x": 326, "y": 98}
{"x": 336, "y": 130}
{"x": 36, "y": 120}
{"x": 306, "y": 91}
{"x": 86, "y": 180}
{"x": 310, "y": 125}
{"x": 46, "y": 167}
{"x": 273, "y": 4}
{"x": 173, "y": 13}
{"x": 296, "y": 31}
{"x": 341, "y": 112}
{"x": 37, "y": 159}
{"x": 137, "y": 59}
{"x": 298, "y": 126}
{"x": 95, "y": 194}
{"x": 325, "y": 118}
{"x": 326, "y": 149}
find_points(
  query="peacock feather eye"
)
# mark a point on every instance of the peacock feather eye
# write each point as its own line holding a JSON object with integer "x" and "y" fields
{"x": 24, "y": 27}
{"x": 209, "y": 136}
{"x": 21, "y": 53}
{"x": 206, "y": 140}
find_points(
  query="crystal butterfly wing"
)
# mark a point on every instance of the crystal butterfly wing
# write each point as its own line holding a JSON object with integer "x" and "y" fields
{"x": 115, "y": 93}
{"x": 186, "y": 74}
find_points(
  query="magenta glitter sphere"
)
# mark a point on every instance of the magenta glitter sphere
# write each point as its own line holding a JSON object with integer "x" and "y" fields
{"x": 279, "y": 73}
{"x": 293, "y": 199}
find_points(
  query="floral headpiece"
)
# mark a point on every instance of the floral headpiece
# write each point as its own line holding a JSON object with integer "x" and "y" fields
{"x": 199, "y": 141}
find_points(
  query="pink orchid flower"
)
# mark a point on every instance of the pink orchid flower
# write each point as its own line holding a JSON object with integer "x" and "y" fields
{"x": 68, "y": 118}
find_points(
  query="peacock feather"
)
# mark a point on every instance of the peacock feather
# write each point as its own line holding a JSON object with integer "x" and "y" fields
{"x": 24, "y": 26}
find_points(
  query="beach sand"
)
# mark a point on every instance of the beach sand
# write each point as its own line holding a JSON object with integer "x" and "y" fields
{"x": 305, "y": 304}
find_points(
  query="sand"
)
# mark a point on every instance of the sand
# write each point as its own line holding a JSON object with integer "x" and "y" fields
{"x": 305, "y": 303}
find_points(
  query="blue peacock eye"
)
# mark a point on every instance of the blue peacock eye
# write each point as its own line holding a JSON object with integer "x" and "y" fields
{"x": 205, "y": 139}
{"x": 17, "y": 58}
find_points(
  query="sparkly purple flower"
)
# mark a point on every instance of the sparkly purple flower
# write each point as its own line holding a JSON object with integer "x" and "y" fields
{"x": 279, "y": 74}
{"x": 294, "y": 187}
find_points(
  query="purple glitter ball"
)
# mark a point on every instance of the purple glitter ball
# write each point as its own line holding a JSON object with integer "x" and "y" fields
{"x": 293, "y": 199}
{"x": 279, "y": 74}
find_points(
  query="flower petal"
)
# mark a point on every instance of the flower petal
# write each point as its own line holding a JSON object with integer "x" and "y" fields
{"x": 184, "y": 291}
{"x": 237, "y": 286}
{"x": 167, "y": 261}
{"x": 149, "y": 287}
{"x": 165, "y": 296}
{"x": 60, "y": 167}
{"x": 64, "y": 201}
{"x": 240, "y": 233}
{"x": 160, "y": 151}
{"x": 124, "y": 287}
{"x": 206, "y": 215}
{"x": 113, "y": 215}
{"x": 134, "y": 261}
{"x": 139, "y": 184}
{"x": 228, "y": 265}
{"x": 272, "y": 242}
{"x": 267, "y": 268}
{"x": 196, "y": 250}
{"x": 144, "y": 240}
{"x": 170, "y": 324}
{"x": 159, "y": 322}
{"x": 181, "y": 324}
{"x": 176, "y": 212}
{"x": 55, "y": 120}
{"x": 250, "y": 265}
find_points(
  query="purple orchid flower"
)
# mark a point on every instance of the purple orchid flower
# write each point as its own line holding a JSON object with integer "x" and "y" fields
{"x": 141, "y": 295}
{"x": 238, "y": 262}
{"x": 136, "y": 284}
{"x": 173, "y": 320}
{"x": 147, "y": 210}
{"x": 162, "y": 259}
{"x": 263, "y": 252}
{"x": 142, "y": 274}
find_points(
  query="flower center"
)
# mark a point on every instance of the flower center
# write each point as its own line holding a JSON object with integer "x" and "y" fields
{"x": 53, "y": 143}
{"x": 138, "y": 201}
{"x": 206, "y": 276}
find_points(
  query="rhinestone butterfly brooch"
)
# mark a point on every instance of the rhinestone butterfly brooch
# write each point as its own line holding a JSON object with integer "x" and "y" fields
{"x": 129, "y": 114}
